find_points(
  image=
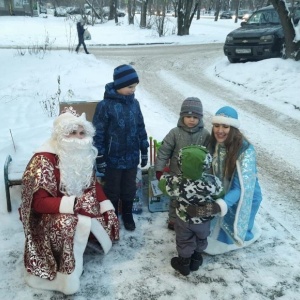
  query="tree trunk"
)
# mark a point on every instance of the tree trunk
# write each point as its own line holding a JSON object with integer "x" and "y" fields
{"x": 111, "y": 9}
{"x": 292, "y": 49}
{"x": 143, "y": 14}
{"x": 217, "y": 10}
{"x": 175, "y": 6}
{"x": 31, "y": 7}
{"x": 184, "y": 20}
{"x": 115, "y": 12}
{"x": 199, "y": 10}
{"x": 131, "y": 11}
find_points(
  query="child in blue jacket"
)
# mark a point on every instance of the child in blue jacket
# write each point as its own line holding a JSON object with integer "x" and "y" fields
{"x": 121, "y": 140}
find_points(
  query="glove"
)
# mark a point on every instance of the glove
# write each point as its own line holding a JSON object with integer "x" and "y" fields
{"x": 166, "y": 170}
{"x": 144, "y": 160}
{"x": 158, "y": 174}
{"x": 203, "y": 210}
{"x": 86, "y": 205}
{"x": 100, "y": 165}
{"x": 111, "y": 224}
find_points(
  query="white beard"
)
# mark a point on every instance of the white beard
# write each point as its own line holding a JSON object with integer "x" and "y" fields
{"x": 76, "y": 164}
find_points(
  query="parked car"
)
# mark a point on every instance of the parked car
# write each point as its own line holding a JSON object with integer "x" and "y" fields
{"x": 226, "y": 15}
{"x": 121, "y": 13}
{"x": 259, "y": 38}
{"x": 74, "y": 10}
{"x": 60, "y": 11}
{"x": 247, "y": 15}
{"x": 43, "y": 9}
{"x": 242, "y": 13}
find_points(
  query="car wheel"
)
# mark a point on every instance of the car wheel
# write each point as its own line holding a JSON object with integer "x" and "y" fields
{"x": 233, "y": 60}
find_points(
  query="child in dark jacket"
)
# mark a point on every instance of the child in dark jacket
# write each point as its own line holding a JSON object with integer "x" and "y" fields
{"x": 198, "y": 199}
{"x": 120, "y": 139}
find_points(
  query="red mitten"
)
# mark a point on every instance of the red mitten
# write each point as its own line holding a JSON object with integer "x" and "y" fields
{"x": 166, "y": 170}
{"x": 111, "y": 224}
{"x": 87, "y": 205}
{"x": 158, "y": 174}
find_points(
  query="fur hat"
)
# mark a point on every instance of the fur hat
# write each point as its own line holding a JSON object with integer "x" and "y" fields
{"x": 227, "y": 116}
{"x": 193, "y": 161}
{"x": 191, "y": 106}
{"x": 125, "y": 75}
{"x": 68, "y": 120}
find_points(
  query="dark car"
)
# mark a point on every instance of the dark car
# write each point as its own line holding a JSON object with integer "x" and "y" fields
{"x": 246, "y": 15}
{"x": 242, "y": 14}
{"x": 226, "y": 15}
{"x": 43, "y": 9}
{"x": 60, "y": 11}
{"x": 120, "y": 13}
{"x": 259, "y": 38}
{"x": 74, "y": 10}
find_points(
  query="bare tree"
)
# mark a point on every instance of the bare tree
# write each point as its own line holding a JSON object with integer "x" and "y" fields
{"x": 185, "y": 16}
{"x": 91, "y": 5}
{"x": 143, "y": 21}
{"x": 199, "y": 9}
{"x": 175, "y": 6}
{"x": 131, "y": 11}
{"x": 292, "y": 47}
{"x": 218, "y": 6}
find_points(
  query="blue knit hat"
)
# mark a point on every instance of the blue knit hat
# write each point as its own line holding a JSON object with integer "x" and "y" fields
{"x": 124, "y": 75}
{"x": 227, "y": 116}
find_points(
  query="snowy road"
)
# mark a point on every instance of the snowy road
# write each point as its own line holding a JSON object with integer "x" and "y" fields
{"x": 171, "y": 73}
{"x": 138, "y": 266}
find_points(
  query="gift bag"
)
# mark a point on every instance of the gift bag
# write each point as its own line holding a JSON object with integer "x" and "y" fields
{"x": 87, "y": 35}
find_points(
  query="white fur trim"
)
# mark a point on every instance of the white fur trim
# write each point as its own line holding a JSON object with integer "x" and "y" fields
{"x": 223, "y": 207}
{"x": 101, "y": 235}
{"x": 105, "y": 206}
{"x": 226, "y": 121}
{"x": 67, "y": 283}
{"x": 238, "y": 209}
{"x": 67, "y": 205}
{"x": 215, "y": 247}
{"x": 48, "y": 146}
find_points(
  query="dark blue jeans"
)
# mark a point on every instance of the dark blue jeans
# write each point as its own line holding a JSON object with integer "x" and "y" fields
{"x": 120, "y": 185}
{"x": 81, "y": 42}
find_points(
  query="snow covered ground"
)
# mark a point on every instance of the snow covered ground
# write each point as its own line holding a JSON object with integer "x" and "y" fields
{"x": 138, "y": 266}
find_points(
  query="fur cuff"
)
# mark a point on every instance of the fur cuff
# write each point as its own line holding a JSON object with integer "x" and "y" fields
{"x": 67, "y": 205}
{"x": 105, "y": 206}
{"x": 101, "y": 235}
{"x": 223, "y": 207}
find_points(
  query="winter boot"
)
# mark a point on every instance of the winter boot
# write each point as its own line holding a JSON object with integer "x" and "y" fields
{"x": 181, "y": 264}
{"x": 196, "y": 261}
{"x": 127, "y": 215}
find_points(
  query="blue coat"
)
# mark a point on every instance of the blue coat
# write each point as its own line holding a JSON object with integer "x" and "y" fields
{"x": 120, "y": 130}
{"x": 243, "y": 197}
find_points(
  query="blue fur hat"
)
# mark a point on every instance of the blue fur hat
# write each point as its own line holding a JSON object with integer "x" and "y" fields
{"x": 227, "y": 116}
{"x": 124, "y": 75}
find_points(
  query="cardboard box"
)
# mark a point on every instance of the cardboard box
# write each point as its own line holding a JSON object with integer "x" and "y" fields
{"x": 81, "y": 107}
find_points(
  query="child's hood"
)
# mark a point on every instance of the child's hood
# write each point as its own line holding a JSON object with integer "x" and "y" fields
{"x": 193, "y": 161}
